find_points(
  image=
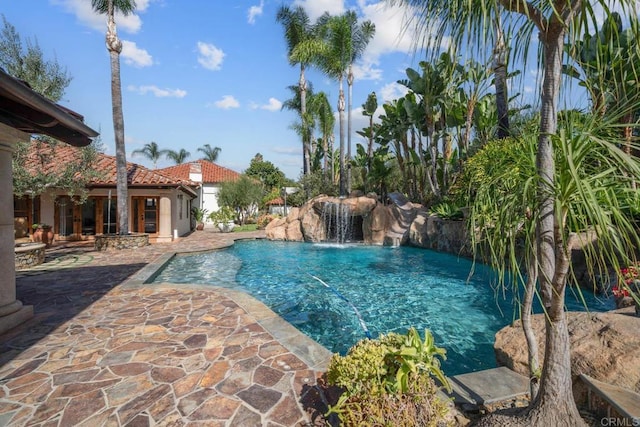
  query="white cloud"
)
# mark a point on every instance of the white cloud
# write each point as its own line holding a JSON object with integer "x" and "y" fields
{"x": 158, "y": 92}
{"x": 367, "y": 71}
{"x": 273, "y": 105}
{"x": 315, "y": 8}
{"x": 135, "y": 56}
{"x": 390, "y": 92}
{"x": 210, "y": 57}
{"x": 255, "y": 11}
{"x": 227, "y": 102}
{"x": 84, "y": 13}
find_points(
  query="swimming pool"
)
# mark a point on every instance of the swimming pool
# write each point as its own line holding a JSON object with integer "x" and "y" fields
{"x": 335, "y": 294}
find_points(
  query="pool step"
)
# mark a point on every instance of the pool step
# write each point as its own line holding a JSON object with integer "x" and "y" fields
{"x": 488, "y": 387}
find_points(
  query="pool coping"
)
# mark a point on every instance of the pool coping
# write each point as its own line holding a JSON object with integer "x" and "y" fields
{"x": 312, "y": 353}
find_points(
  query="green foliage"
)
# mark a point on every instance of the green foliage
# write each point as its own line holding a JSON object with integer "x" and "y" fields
{"x": 246, "y": 227}
{"x": 25, "y": 61}
{"x": 389, "y": 381}
{"x": 199, "y": 213}
{"x": 447, "y": 210}
{"x": 242, "y": 196}
{"x": 313, "y": 184}
{"x": 72, "y": 176}
{"x": 223, "y": 215}
{"x": 266, "y": 172}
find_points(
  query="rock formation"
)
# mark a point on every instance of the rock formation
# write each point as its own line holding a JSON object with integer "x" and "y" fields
{"x": 605, "y": 346}
{"x": 400, "y": 222}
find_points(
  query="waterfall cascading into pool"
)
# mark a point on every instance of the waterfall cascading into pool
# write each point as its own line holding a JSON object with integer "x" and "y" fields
{"x": 338, "y": 222}
{"x": 341, "y": 225}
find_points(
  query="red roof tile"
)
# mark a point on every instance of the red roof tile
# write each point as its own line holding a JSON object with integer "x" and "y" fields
{"x": 211, "y": 172}
{"x": 40, "y": 158}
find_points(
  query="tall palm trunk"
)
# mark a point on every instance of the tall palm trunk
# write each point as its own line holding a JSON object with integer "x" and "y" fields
{"x": 306, "y": 155}
{"x": 349, "y": 96}
{"x": 114, "y": 46}
{"x": 500, "y": 79}
{"x": 341, "y": 107}
{"x": 554, "y": 404}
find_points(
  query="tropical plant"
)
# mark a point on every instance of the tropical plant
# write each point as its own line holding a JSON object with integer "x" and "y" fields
{"x": 114, "y": 46}
{"x": 210, "y": 153}
{"x": 299, "y": 31}
{"x": 223, "y": 215}
{"x": 368, "y": 110}
{"x": 549, "y": 241}
{"x": 178, "y": 157}
{"x": 361, "y": 35}
{"x": 332, "y": 53}
{"x": 199, "y": 214}
{"x": 390, "y": 381}
{"x": 151, "y": 151}
{"x": 322, "y": 113}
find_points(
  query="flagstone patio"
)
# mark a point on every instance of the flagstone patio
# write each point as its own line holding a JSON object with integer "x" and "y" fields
{"x": 106, "y": 349}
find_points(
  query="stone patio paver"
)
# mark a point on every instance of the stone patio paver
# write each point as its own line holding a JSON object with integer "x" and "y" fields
{"x": 106, "y": 349}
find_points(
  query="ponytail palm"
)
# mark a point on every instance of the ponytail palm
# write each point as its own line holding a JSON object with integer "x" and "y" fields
{"x": 471, "y": 21}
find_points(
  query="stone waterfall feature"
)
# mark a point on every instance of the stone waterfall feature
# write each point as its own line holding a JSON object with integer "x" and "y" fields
{"x": 398, "y": 223}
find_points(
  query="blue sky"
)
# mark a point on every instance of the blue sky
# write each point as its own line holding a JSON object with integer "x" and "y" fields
{"x": 209, "y": 72}
{"x": 203, "y": 72}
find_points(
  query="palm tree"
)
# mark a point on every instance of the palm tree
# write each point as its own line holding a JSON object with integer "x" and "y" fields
{"x": 151, "y": 152}
{"x": 323, "y": 113}
{"x": 361, "y": 35}
{"x": 298, "y": 31}
{"x": 179, "y": 157}
{"x": 471, "y": 21}
{"x": 210, "y": 153}
{"x": 114, "y": 46}
{"x": 333, "y": 56}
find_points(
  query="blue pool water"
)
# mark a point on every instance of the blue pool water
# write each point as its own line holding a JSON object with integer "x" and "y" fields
{"x": 335, "y": 294}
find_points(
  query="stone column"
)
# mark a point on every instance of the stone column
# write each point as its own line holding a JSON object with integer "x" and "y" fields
{"x": 164, "y": 230}
{"x": 12, "y": 312}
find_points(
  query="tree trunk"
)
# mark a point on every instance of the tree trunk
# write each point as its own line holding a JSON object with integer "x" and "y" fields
{"x": 306, "y": 156}
{"x": 500, "y": 79}
{"x": 114, "y": 46}
{"x": 532, "y": 341}
{"x": 349, "y": 96}
{"x": 341, "y": 106}
{"x": 554, "y": 404}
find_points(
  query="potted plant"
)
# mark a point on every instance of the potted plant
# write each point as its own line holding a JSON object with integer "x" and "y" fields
{"x": 42, "y": 233}
{"x": 223, "y": 219}
{"x": 199, "y": 215}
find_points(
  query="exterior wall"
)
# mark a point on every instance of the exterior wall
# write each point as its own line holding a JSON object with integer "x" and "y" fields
{"x": 168, "y": 210}
{"x": 210, "y": 199}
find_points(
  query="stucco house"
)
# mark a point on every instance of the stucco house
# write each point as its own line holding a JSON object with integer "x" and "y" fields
{"x": 159, "y": 204}
{"x": 24, "y": 112}
{"x": 209, "y": 175}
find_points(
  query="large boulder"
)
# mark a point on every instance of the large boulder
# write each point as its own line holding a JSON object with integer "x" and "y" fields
{"x": 401, "y": 214}
{"x": 375, "y": 225}
{"x": 605, "y": 346}
{"x": 276, "y": 229}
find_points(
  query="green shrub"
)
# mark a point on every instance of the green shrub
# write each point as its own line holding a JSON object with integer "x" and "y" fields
{"x": 389, "y": 381}
{"x": 447, "y": 210}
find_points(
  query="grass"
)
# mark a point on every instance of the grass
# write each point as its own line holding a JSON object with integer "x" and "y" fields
{"x": 246, "y": 227}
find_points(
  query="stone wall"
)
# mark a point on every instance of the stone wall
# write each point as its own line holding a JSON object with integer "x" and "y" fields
{"x": 107, "y": 242}
{"x": 29, "y": 255}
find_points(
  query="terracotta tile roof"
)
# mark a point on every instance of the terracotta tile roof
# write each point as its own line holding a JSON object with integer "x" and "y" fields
{"x": 40, "y": 158}
{"x": 276, "y": 201}
{"x": 211, "y": 172}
